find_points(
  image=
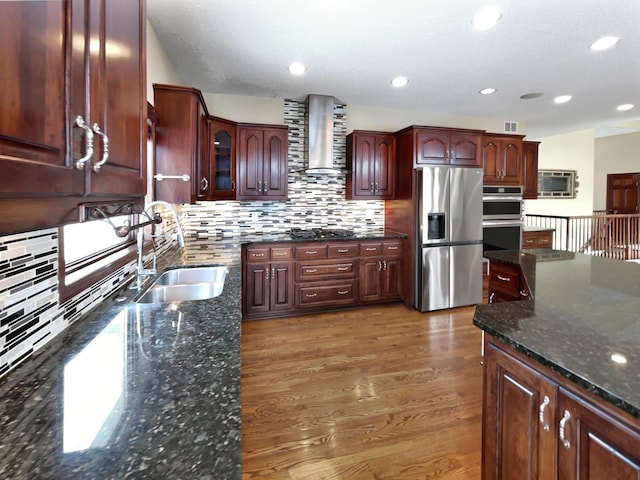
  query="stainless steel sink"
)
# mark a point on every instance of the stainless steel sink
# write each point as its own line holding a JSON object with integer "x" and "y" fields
{"x": 182, "y": 284}
{"x": 190, "y": 276}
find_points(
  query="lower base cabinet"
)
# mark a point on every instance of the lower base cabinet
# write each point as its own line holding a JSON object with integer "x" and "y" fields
{"x": 537, "y": 425}
{"x": 288, "y": 278}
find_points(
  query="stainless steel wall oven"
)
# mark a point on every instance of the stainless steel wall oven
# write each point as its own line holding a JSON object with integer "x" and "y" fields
{"x": 502, "y": 218}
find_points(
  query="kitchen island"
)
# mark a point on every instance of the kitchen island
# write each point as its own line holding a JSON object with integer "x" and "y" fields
{"x": 561, "y": 376}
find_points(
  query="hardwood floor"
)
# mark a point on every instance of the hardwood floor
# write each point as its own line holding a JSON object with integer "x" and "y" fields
{"x": 374, "y": 393}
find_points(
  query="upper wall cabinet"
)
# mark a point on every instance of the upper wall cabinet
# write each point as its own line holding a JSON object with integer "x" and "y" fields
{"x": 222, "y": 158}
{"x": 73, "y": 116}
{"x": 530, "y": 170}
{"x": 502, "y": 159}
{"x": 262, "y": 162}
{"x": 441, "y": 146}
{"x": 371, "y": 163}
{"x": 182, "y": 169}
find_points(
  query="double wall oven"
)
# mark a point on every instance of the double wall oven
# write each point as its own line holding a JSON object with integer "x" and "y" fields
{"x": 502, "y": 218}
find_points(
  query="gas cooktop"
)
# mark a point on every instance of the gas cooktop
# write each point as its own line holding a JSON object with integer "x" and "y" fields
{"x": 320, "y": 233}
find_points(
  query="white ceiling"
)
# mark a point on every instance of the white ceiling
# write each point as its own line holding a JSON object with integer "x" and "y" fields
{"x": 353, "y": 48}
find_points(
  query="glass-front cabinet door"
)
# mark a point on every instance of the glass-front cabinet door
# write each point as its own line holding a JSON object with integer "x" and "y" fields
{"x": 222, "y": 148}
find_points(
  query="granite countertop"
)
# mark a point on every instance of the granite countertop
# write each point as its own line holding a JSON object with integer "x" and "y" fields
{"x": 133, "y": 391}
{"x": 362, "y": 234}
{"x": 585, "y": 313}
{"x": 532, "y": 228}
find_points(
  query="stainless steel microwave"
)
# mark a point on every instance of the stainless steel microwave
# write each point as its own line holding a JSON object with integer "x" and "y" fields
{"x": 502, "y": 203}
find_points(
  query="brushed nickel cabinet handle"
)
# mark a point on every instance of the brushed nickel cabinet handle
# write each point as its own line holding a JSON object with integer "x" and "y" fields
{"x": 370, "y": 249}
{"x": 392, "y": 248}
{"x": 105, "y": 148}
{"x": 343, "y": 292}
{"x": 311, "y": 270}
{"x": 543, "y": 406}
{"x": 343, "y": 269}
{"x": 204, "y": 184}
{"x": 311, "y": 295}
{"x": 343, "y": 250}
{"x": 255, "y": 255}
{"x": 504, "y": 279}
{"x": 563, "y": 423}
{"x": 79, "y": 122}
{"x": 280, "y": 254}
{"x": 311, "y": 252}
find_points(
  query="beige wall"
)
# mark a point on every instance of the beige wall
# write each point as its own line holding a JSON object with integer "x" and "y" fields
{"x": 615, "y": 154}
{"x": 572, "y": 151}
{"x": 159, "y": 68}
{"x": 244, "y": 109}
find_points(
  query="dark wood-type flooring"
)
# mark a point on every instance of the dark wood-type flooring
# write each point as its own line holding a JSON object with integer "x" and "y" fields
{"x": 374, "y": 393}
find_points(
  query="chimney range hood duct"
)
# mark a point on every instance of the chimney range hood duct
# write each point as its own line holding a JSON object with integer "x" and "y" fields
{"x": 320, "y": 135}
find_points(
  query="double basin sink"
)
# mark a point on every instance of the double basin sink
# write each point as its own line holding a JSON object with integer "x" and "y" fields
{"x": 186, "y": 283}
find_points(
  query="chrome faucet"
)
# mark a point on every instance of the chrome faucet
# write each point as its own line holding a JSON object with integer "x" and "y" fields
{"x": 142, "y": 272}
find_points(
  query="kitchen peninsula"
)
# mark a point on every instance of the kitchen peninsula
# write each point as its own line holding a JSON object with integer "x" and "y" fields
{"x": 561, "y": 376}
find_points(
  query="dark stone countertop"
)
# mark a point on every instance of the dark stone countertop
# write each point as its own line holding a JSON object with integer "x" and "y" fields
{"x": 585, "y": 313}
{"x": 531, "y": 228}
{"x": 133, "y": 391}
{"x": 364, "y": 234}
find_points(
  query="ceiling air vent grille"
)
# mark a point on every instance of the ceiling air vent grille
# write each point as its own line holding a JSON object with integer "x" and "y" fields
{"x": 511, "y": 127}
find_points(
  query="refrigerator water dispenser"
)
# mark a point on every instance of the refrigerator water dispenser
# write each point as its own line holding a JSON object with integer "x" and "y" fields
{"x": 436, "y": 226}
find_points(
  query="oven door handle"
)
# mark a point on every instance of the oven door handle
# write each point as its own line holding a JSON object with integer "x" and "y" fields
{"x": 502, "y": 223}
{"x": 506, "y": 198}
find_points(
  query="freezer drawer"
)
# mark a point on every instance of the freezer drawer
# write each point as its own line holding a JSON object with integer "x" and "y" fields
{"x": 434, "y": 282}
{"x": 466, "y": 275}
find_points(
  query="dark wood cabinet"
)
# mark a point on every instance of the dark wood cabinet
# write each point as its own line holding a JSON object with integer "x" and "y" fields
{"x": 537, "y": 424}
{"x": 381, "y": 271}
{"x": 182, "y": 168}
{"x": 530, "y": 170}
{"x": 70, "y": 60}
{"x": 506, "y": 283}
{"x": 327, "y": 275}
{"x": 537, "y": 239}
{"x": 371, "y": 165}
{"x": 447, "y": 147}
{"x": 262, "y": 162}
{"x": 268, "y": 281}
{"x": 222, "y": 158}
{"x": 502, "y": 159}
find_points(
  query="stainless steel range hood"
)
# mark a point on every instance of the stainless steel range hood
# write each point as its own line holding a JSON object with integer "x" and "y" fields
{"x": 320, "y": 136}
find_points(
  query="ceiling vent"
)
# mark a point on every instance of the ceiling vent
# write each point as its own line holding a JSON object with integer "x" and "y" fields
{"x": 510, "y": 127}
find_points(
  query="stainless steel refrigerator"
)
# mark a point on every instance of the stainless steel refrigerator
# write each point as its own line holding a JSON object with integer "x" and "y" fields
{"x": 450, "y": 237}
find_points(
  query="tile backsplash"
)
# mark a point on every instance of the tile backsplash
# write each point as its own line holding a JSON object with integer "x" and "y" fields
{"x": 30, "y": 312}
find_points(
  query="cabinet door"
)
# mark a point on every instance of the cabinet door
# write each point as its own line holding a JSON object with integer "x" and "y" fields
{"x": 511, "y": 153}
{"x": 202, "y": 169}
{"x": 250, "y": 154}
{"x": 385, "y": 167}
{"x": 118, "y": 102}
{"x": 530, "y": 170}
{"x": 465, "y": 150}
{"x": 392, "y": 278}
{"x": 274, "y": 164}
{"x": 491, "y": 160}
{"x": 281, "y": 286}
{"x": 598, "y": 445}
{"x": 34, "y": 126}
{"x": 518, "y": 425}
{"x": 370, "y": 279}
{"x": 432, "y": 147}
{"x": 222, "y": 153}
{"x": 363, "y": 165}
{"x": 256, "y": 289}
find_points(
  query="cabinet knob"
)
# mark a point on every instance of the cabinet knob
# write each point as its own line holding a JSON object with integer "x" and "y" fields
{"x": 79, "y": 122}
{"x": 105, "y": 148}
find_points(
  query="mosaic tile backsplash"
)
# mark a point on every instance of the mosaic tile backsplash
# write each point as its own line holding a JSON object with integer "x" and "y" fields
{"x": 30, "y": 313}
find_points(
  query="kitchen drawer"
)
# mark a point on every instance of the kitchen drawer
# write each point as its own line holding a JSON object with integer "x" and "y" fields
{"x": 317, "y": 295}
{"x": 505, "y": 277}
{"x": 319, "y": 271}
{"x": 343, "y": 250}
{"x": 281, "y": 253}
{"x": 257, "y": 254}
{"x": 392, "y": 248}
{"x": 534, "y": 239}
{"x": 314, "y": 251}
{"x": 370, "y": 249}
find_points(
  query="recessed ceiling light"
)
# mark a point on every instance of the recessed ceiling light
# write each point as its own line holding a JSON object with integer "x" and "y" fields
{"x": 562, "y": 99}
{"x": 297, "y": 68}
{"x": 619, "y": 358}
{"x": 529, "y": 96}
{"x": 604, "y": 43}
{"x": 399, "y": 81}
{"x": 486, "y": 17}
{"x": 487, "y": 91}
{"x": 625, "y": 107}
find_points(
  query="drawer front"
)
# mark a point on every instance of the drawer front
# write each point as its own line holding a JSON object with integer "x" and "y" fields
{"x": 314, "y": 271}
{"x": 392, "y": 248}
{"x": 544, "y": 240}
{"x": 505, "y": 277}
{"x": 529, "y": 240}
{"x": 370, "y": 249}
{"x": 257, "y": 254}
{"x": 320, "y": 295}
{"x": 343, "y": 251}
{"x": 312, "y": 252}
{"x": 281, "y": 253}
